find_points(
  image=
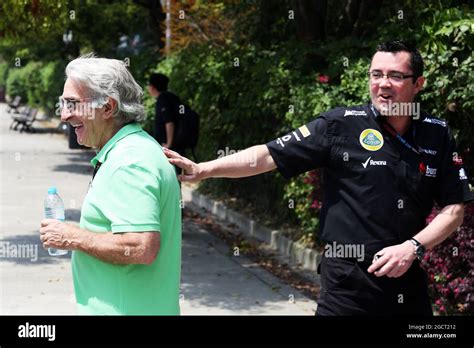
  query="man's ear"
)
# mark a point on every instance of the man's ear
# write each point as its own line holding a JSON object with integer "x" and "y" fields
{"x": 109, "y": 108}
{"x": 420, "y": 81}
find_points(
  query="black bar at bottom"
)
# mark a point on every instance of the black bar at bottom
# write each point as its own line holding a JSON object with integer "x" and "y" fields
{"x": 134, "y": 330}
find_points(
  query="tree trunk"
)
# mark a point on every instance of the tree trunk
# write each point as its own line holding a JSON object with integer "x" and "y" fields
{"x": 157, "y": 16}
{"x": 310, "y": 19}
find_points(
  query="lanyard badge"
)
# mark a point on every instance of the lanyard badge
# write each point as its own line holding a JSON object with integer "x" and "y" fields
{"x": 403, "y": 141}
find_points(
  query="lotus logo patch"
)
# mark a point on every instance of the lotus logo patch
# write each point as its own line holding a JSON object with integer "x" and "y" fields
{"x": 371, "y": 139}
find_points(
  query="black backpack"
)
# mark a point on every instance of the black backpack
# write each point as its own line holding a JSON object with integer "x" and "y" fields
{"x": 187, "y": 132}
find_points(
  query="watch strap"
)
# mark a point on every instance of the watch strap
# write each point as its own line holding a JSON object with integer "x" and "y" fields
{"x": 415, "y": 242}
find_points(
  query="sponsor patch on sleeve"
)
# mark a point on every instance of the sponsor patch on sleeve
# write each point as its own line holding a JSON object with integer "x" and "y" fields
{"x": 281, "y": 141}
{"x": 304, "y": 131}
{"x": 435, "y": 121}
{"x": 354, "y": 113}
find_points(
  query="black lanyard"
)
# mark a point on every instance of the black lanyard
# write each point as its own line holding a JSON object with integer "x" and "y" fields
{"x": 402, "y": 140}
{"x": 388, "y": 127}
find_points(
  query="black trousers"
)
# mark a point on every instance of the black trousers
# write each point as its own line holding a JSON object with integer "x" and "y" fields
{"x": 348, "y": 289}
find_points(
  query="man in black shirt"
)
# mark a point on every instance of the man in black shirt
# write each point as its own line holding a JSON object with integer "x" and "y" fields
{"x": 385, "y": 164}
{"x": 166, "y": 111}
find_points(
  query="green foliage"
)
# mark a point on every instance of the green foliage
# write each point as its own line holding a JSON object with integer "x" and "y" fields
{"x": 449, "y": 92}
{"x": 33, "y": 31}
{"x": 300, "y": 193}
{"x": 32, "y": 20}
{"x": 22, "y": 81}
{"x": 50, "y": 87}
{"x": 3, "y": 74}
{"x": 38, "y": 84}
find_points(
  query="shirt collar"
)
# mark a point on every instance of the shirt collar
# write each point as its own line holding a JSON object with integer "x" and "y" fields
{"x": 122, "y": 133}
{"x": 375, "y": 112}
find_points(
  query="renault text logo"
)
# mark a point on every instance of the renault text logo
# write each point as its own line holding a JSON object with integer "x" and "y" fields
{"x": 371, "y": 162}
{"x": 371, "y": 139}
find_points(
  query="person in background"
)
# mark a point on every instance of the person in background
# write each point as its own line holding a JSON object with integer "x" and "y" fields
{"x": 166, "y": 111}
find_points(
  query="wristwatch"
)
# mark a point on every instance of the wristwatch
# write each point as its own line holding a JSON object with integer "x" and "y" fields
{"x": 419, "y": 249}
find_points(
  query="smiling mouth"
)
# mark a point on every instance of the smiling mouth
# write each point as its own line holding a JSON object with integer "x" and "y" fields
{"x": 77, "y": 126}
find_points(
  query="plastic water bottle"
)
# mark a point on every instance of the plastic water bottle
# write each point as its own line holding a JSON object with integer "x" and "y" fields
{"x": 54, "y": 209}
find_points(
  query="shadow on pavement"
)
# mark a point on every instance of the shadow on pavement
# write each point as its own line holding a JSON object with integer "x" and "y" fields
{"x": 74, "y": 168}
{"x": 28, "y": 247}
{"x": 212, "y": 280}
{"x": 79, "y": 155}
{"x": 72, "y": 215}
{"x": 77, "y": 162}
{"x": 27, "y": 250}
{"x": 47, "y": 130}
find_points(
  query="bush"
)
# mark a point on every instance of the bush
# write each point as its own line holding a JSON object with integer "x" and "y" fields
{"x": 22, "y": 81}
{"x": 450, "y": 269}
{"x": 3, "y": 75}
{"x": 242, "y": 96}
{"x": 304, "y": 195}
{"x": 38, "y": 84}
{"x": 51, "y": 86}
{"x": 449, "y": 91}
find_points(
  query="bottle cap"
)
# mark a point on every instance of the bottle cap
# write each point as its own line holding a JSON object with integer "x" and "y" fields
{"x": 52, "y": 190}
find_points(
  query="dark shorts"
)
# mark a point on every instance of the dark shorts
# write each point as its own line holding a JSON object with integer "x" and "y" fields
{"x": 348, "y": 289}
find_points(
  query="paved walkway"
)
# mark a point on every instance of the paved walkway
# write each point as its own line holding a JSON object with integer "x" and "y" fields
{"x": 214, "y": 282}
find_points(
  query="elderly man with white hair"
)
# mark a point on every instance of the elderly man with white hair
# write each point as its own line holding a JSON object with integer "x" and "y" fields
{"x": 127, "y": 250}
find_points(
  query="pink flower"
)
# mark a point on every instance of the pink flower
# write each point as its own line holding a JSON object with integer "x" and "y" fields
{"x": 456, "y": 292}
{"x": 323, "y": 78}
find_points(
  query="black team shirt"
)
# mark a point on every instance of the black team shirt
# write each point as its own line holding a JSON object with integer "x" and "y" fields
{"x": 166, "y": 110}
{"x": 376, "y": 189}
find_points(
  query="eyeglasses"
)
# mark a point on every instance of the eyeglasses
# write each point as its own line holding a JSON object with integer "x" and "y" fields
{"x": 393, "y": 76}
{"x": 74, "y": 105}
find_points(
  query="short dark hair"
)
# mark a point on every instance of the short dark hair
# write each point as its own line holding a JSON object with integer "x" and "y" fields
{"x": 159, "y": 81}
{"x": 416, "y": 62}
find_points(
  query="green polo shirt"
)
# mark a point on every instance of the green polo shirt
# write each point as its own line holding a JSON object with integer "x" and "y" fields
{"x": 135, "y": 190}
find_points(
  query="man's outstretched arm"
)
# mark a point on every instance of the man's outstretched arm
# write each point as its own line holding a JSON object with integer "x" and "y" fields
{"x": 252, "y": 161}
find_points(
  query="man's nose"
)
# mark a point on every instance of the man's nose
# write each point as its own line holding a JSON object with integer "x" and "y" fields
{"x": 385, "y": 82}
{"x": 65, "y": 114}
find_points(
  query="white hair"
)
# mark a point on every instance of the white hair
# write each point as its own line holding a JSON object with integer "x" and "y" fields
{"x": 109, "y": 78}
